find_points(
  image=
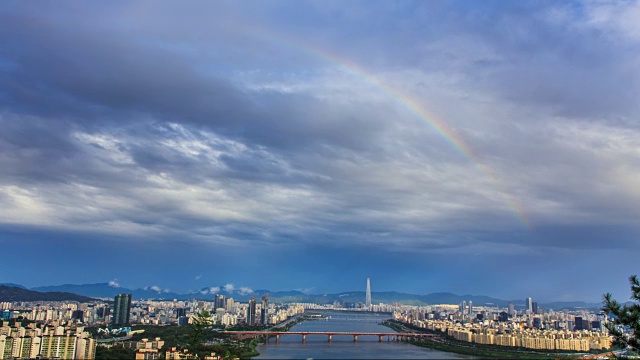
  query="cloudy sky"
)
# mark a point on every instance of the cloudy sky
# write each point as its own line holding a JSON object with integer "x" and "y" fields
{"x": 473, "y": 147}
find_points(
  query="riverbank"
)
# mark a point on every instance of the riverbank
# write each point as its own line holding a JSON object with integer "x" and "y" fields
{"x": 445, "y": 343}
{"x": 251, "y": 353}
{"x": 300, "y": 318}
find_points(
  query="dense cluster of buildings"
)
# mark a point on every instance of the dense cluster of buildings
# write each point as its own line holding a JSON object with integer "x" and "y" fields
{"x": 49, "y": 342}
{"x": 224, "y": 311}
{"x": 148, "y": 349}
{"x": 227, "y": 312}
{"x": 531, "y": 327}
{"x": 57, "y": 329}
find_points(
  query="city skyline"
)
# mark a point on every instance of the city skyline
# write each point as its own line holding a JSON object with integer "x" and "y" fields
{"x": 219, "y": 294}
{"x": 451, "y": 146}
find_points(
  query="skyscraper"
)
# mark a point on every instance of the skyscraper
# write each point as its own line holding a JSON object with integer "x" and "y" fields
{"x": 230, "y": 304}
{"x": 470, "y": 307}
{"x": 263, "y": 310}
{"x": 529, "y": 305}
{"x": 181, "y": 312}
{"x": 251, "y": 312}
{"x": 220, "y": 301}
{"x": 368, "y": 296}
{"x": 121, "y": 309}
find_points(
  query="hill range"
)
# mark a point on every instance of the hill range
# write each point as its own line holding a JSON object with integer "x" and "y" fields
{"x": 15, "y": 292}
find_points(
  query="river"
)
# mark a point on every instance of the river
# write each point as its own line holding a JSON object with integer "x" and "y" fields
{"x": 343, "y": 347}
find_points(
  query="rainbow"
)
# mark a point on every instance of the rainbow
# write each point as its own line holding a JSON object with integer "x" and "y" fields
{"x": 402, "y": 98}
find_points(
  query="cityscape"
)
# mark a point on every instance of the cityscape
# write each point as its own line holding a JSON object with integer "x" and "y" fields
{"x": 325, "y": 179}
{"x": 80, "y": 330}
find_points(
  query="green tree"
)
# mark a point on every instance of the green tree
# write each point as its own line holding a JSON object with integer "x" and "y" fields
{"x": 200, "y": 321}
{"x": 114, "y": 353}
{"x": 624, "y": 315}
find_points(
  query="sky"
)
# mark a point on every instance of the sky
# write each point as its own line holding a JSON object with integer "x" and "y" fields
{"x": 470, "y": 147}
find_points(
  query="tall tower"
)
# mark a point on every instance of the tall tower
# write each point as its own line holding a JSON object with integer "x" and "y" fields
{"x": 368, "y": 299}
{"x": 251, "y": 312}
{"x": 121, "y": 309}
{"x": 263, "y": 310}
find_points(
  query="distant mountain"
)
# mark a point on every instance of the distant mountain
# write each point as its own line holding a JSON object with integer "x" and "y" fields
{"x": 106, "y": 290}
{"x": 390, "y": 297}
{"x": 101, "y": 290}
{"x": 12, "y": 293}
{"x": 13, "y": 285}
{"x": 572, "y": 304}
{"x": 449, "y": 298}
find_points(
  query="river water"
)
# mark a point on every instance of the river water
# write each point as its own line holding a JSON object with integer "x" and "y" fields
{"x": 343, "y": 347}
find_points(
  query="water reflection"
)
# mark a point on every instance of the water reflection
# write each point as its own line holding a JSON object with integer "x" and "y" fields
{"x": 341, "y": 347}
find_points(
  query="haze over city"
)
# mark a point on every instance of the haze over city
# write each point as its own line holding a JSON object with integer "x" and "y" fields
{"x": 454, "y": 146}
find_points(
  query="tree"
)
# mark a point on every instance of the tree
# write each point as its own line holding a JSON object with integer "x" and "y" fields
{"x": 200, "y": 321}
{"x": 624, "y": 315}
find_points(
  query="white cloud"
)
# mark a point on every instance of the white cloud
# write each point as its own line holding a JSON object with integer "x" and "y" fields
{"x": 245, "y": 290}
{"x": 114, "y": 283}
{"x": 229, "y": 288}
{"x": 308, "y": 290}
{"x": 214, "y": 290}
{"x": 617, "y": 17}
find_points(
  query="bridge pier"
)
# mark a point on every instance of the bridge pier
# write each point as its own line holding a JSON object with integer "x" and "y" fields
{"x": 269, "y": 334}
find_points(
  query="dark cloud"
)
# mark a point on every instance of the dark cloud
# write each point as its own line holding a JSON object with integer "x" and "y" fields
{"x": 230, "y": 126}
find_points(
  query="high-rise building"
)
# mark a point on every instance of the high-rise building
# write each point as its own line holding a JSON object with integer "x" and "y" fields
{"x": 529, "y": 305}
{"x": 534, "y": 307}
{"x": 251, "y": 312}
{"x": 180, "y": 312}
{"x": 503, "y": 316}
{"x": 229, "y": 305}
{"x": 220, "y": 301}
{"x": 121, "y": 309}
{"x": 470, "y": 307}
{"x": 368, "y": 296}
{"x": 537, "y": 322}
{"x": 596, "y": 325}
{"x": 78, "y": 315}
{"x": 263, "y": 310}
{"x": 512, "y": 310}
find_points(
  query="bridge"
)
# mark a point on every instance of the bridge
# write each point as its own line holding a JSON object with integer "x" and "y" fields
{"x": 328, "y": 334}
